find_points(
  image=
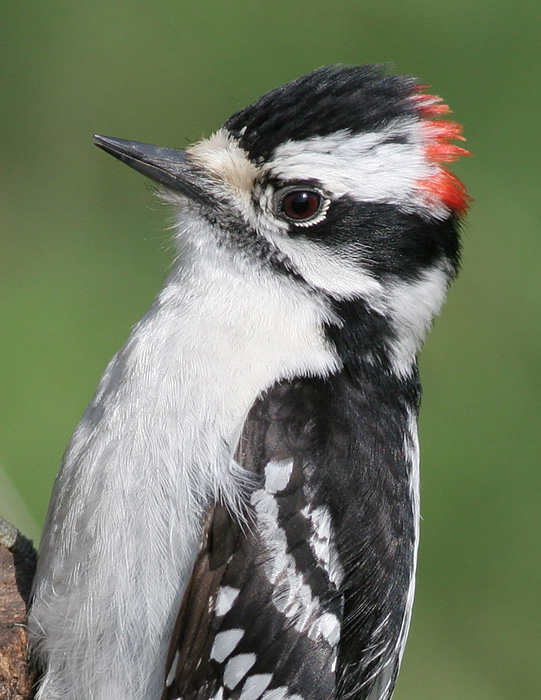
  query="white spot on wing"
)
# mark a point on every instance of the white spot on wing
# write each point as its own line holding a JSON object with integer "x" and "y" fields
{"x": 227, "y": 595}
{"x": 277, "y": 475}
{"x": 275, "y": 694}
{"x": 327, "y": 626}
{"x": 225, "y": 643}
{"x": 291, "y": 595}
{"x": 173, "y": 670}
{"x": 237, "y": 668}
{"x": 273, "y": 535}
{"x": 255, "y": 686}
{"x": 322, "y": 542}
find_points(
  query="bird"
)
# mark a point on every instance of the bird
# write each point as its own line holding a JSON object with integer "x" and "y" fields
{"x": 237, "y": 514}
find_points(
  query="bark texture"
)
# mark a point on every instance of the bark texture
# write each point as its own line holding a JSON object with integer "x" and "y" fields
{"x": 17, "y": 566}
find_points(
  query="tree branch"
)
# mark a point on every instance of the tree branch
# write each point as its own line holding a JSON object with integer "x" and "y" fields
{"x": 17, "y": 568}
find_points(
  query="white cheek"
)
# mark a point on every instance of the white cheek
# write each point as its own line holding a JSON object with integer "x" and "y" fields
{"x": 412, "y": 307}
{"x": 332, "y": 271}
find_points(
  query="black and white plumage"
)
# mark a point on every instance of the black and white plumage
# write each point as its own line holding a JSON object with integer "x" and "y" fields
{"x": 250, "y": 456}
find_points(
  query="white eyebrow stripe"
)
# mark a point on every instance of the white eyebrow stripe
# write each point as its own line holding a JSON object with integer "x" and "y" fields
{"x": 384, "y": 166}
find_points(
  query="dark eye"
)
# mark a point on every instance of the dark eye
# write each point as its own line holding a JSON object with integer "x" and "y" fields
{"x": 300, "y": 205}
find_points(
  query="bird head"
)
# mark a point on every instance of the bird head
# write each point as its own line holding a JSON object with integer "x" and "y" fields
{"x": 337, "y": 180}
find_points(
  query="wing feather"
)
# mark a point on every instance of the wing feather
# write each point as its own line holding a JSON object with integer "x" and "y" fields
{"x": 261, "y": 615}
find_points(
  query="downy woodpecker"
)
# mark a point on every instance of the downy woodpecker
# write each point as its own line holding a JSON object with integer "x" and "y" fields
{"x": 237, "y": 514}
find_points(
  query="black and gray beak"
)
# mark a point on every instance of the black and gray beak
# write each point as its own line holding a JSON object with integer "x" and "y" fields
{"x": 164, "y": 165}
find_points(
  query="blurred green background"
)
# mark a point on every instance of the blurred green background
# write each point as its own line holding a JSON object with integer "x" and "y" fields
{"x": 84, "y": 248}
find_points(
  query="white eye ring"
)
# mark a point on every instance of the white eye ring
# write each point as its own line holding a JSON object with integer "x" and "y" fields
{"x": 300, "y": 205}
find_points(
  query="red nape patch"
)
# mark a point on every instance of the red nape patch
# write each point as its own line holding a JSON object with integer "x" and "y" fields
{"x": 447, "y": 188}
{"x": 444, "y": 186}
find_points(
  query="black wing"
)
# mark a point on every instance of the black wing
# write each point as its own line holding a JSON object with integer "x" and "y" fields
{"x": 309, "y": 598}
{"x": 262, "y": 614}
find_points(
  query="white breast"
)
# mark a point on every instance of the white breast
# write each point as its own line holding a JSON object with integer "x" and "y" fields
{"x": 155, "y": 443}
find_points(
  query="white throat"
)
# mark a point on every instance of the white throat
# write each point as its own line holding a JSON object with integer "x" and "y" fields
{"x": 165, "y": 419}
